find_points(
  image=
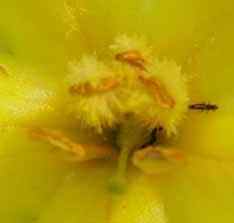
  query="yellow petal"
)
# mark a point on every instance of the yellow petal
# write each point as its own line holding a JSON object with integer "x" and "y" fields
{"x": 141, "y": 203}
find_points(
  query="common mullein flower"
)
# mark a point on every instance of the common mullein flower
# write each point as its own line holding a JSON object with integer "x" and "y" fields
{"x": 175, "y": 55}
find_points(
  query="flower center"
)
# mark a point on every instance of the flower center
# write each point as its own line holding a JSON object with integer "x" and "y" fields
{"x": 140, "y": 94}
{"x": 133, "y": 94}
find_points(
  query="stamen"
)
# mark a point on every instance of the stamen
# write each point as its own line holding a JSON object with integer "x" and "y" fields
{"x": 133, "y": 58}
{"x": 87, "y": 88}
{"x": 158, "y": 90}
{"x": 156, "y": 160}
{"x": 82, "y": 152}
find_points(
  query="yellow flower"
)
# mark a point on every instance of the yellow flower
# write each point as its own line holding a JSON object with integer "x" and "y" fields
{"x": 41, "y": 184}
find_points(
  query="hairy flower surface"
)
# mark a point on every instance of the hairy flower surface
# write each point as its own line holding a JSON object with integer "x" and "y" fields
{"x": 94, "y": 87}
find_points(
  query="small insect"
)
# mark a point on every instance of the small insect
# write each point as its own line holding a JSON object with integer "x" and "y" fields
{"x": 203, "y": 107}
{"x": 133, "y": 58}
